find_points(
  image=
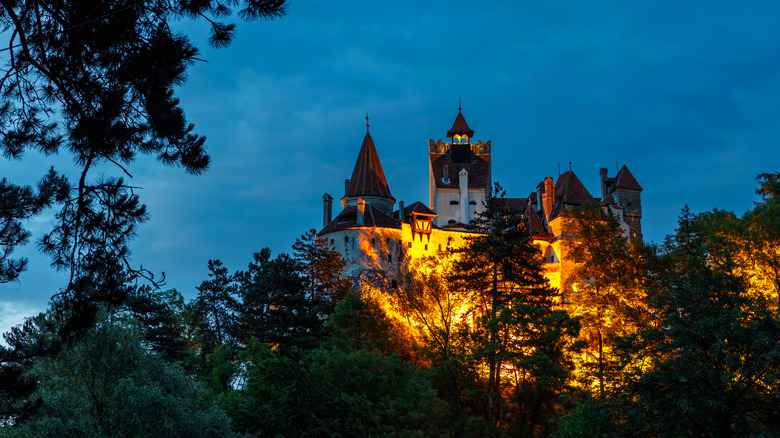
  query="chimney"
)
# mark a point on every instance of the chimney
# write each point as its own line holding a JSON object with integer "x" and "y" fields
{"x": 361, "y": 210}
{"x": 548, "y": 198}
{"x": 603, "y": 176}
{"x": 401, "y": 211}
{"x": 327, "y": 209}
{"x": 463, "y": 196}
{"x": 539, "y": 191}
{"x": 346, "y": 186}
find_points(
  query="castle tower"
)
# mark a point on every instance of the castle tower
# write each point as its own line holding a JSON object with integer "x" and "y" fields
{"x": 627, "y": 193}
{"x": 459, "y": 175}
{"x": 368, "y": 180}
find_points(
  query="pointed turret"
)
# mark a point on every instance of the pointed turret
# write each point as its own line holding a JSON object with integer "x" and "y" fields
{"x": 368, "y": 180}
{"x": 460, "y": 127}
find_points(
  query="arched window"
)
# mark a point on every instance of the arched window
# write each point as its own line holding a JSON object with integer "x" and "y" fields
{"x": 446, "y": 175}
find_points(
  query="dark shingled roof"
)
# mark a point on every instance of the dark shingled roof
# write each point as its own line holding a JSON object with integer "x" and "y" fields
{"x": 534, "y": 223}
{"x": 418, "y": 207}
{"x": 570, "y": 191}
{"x": 460, "y": 127}
{"x": 478, "y": 169}
{"x": 368, "y": 178}
{"x": 373, "y": 217}
{"x": 625, "y": 180}
{"x": 516, "y": 204}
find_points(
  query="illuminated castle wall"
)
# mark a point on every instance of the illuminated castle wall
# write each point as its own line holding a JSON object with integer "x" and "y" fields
{"x": 377, "y": 239}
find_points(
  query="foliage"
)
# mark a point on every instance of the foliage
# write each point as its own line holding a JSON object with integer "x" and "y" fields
{"x": 16, "y": 204}
{"x": 216, "y": 307}
{"x": 95, "y": 80}
{"x": 159, "y": 313}
{"x": 335, "y": 393}
{"x": 109, "y": 384}
{"x": 709, "y": 362}
{"x": 358, "y": 323}
{"x": 322, "y": 267}
{"x": 275, "y": 306}
{"x": 604, "y": 289}
{"x": 520, "y": 339}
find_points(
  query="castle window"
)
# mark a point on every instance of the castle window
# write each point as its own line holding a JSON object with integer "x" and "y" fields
{"x": 373, "y": 241}
{"x": 332, "y": 242}
{"x": 387, "y": 241}
{"x": 451, "y": 221}
{"x": 453, "y": 202}
{"x": 472, "y": 202}
{"x": 552, "y": 259}
{"x": 410, "y": 244}
{"x": 440, "y": 247}
{"x": 389, "y": 258}
{"x": 446, "y": 175}
{"x": 426, "y": 247}
{"x": 346, "y": 239}
{"x": 394, "y": 284}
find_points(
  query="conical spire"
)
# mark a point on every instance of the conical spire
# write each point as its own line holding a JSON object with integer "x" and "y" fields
{"x": 460, "y": 127}
{"x": 368, "y": 178}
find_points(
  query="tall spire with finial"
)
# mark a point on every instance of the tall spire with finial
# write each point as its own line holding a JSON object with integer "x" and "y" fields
{"x": 368, "y": 179}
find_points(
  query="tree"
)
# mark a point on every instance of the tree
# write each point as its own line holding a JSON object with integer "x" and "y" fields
{"x": 18, "y": 203}
{"x": 322, "y": 267}
{"x": 275, "y": 306}
{"x": 109, "y": 384}
{"x": 708, "y": 364}
{"x": 96, "y": 80}
{"x": 606, "y": 290}
{"x": 502, "y": 269}
{"x": 217, "y": 307}
{"x": 336, "y": 393}
{"x": 160, "y": 314}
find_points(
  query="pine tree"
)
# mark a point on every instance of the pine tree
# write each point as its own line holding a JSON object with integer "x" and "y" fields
{"x": 217, "y": 307}
{"x": 521, "y": 337}
{"x": 322, "y": 267}
{"x": 275, "y": 306}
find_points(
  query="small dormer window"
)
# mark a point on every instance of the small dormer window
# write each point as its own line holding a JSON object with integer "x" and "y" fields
{"x": 446, "y": 175}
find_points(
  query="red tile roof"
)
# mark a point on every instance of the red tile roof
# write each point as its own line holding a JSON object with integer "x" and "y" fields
{"x": 570, "y": 191}
{"x": 534, "y": 223}
{"x": 625, "y": 180}
{"x": 460, "y": 127}
{"x": 368, "y": 178}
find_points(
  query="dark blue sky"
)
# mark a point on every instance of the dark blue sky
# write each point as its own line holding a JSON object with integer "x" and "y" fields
{"x": 687, "y": 94}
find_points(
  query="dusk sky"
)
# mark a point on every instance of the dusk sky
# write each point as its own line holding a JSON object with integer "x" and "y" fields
{"x": 686, "y": 94}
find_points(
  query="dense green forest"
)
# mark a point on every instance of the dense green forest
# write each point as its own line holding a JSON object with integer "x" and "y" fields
{"x": 675, "y": 339}
{"x": 687, "y": 343}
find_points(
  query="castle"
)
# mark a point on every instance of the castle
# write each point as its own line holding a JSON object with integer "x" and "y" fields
{"x": 375, "y": 238}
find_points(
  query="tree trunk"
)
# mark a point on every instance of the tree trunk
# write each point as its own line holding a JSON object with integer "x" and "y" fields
{"x": 493, "y": 378}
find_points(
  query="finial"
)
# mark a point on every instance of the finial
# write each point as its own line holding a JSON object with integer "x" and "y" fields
{"x": 459, "y": 105}
{"x": 366, "y": 122}
{"x": 569, "y": 164}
